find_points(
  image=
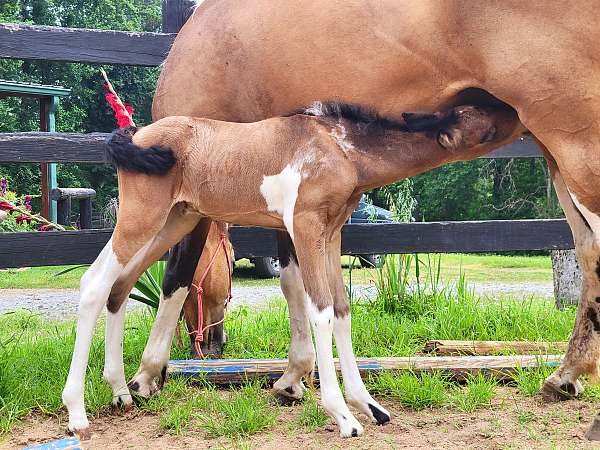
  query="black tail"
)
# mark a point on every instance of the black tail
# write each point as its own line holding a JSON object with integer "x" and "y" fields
{"x": 122, "y": 153}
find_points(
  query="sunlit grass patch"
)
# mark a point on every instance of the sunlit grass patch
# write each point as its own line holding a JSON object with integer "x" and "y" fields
{"x": 477, "y": 392}
{"x": 416, "y": 391}
{"x": 313, "y": 415}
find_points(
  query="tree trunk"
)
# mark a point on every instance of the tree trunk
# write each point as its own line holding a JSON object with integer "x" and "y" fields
{"x": 567, "y": 278}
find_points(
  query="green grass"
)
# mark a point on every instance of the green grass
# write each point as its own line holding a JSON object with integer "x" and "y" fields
{"x": 506, "y": 269}
{"x": 35, "y": 357}
{"x": 313, "y": 416}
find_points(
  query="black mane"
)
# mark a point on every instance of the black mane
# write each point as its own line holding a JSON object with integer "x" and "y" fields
{"x": 370, "y": 121}
{"x": 357, "y": 114}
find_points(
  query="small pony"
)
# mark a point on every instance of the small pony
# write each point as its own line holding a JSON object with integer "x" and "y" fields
{"x": 304, "y": 174}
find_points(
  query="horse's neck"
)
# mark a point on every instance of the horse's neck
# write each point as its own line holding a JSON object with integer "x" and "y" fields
{"x": 390, "y": 155}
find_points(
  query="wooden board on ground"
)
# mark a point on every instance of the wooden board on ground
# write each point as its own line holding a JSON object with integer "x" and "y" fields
{"x": 456, "y": 348}
{"x": 71, "y": 443}
{"x": 239, "y": 370}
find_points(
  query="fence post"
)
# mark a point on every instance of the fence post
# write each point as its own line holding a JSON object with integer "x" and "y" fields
{"x": 175, "y": 13}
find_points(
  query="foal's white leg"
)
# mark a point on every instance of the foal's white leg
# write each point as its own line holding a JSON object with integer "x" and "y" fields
{"x": 95, "y": 287}
{"x": 331, "y": 395}
{"x": 356, "y": 392}
{"x": 156, "y": 354}
{"x": 114, "y": 372}
{"x": 301, "y": 359}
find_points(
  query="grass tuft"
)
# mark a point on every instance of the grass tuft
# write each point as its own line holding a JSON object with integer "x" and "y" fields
{"x": 414, "y": 391}
{"x": 247, "y": 411}
{"x": 313, "y": 416}
{"x": 530, "y": 381}
{"x": 478, "y": 392}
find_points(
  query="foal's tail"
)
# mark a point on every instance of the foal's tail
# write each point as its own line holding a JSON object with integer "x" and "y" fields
{"x": 125, "y": 155}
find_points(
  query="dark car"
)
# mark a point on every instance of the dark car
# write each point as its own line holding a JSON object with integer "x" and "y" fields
{"x": 365, "y": 212}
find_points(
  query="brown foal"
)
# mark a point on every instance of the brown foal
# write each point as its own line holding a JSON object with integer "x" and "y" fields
{"x": 181, "y": 172}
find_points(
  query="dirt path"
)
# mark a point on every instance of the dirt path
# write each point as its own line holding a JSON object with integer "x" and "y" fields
{"x": 512, "y": 422}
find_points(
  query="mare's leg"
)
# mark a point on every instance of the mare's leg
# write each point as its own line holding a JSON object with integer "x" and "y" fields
{"x": 301, "y": 359}
{"x": 311, "y": 243}
{"x": 356, "y": 392}
{"x": 583, "y": 351}
{"x": 183, "y": 260}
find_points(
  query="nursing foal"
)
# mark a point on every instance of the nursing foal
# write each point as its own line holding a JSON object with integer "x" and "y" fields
{"x": 304, "y": 174}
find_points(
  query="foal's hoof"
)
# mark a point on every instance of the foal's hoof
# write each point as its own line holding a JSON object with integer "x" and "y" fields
{"x": 552, "y": 392}
{"x": 350, "y": 427}
{"x": 84, "y": 434}
{"x": 593, "y": 432}
{"x": 122, "y": 402}
{"x": 289, "y": 395}
{"x": 145, "y": 390}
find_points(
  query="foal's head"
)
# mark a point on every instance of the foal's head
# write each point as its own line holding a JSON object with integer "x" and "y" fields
{"x": 459, "y": 128}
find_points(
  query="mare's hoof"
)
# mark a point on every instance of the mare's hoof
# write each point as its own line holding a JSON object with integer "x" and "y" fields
{"x": 567, "y": 391}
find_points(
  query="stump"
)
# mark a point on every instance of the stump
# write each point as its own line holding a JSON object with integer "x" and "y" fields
{"x": 567, "y": 278}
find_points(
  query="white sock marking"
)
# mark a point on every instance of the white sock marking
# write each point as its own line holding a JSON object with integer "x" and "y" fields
{"x": 158, "y": 348}
{"x": 96, "y": 284}
{"x": 331, "y": 395}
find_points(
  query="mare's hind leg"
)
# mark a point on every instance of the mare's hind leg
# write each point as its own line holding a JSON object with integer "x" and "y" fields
{"x": 311, "y": 247}
{"x": 183, "y": 260}
{"x": 301, "y": 359}
{"x": 356, "y": 392}
{"x": 583, "y": 352}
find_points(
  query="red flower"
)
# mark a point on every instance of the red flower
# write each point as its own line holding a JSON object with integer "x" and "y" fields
{"x": 23, "y": 218}
{"x": 7, "y": 206}
{"x": 45, "y": 228}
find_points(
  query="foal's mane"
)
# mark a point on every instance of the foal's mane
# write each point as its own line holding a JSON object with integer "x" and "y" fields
{"x": 367, "y": 118}
{"x": 369, "y": 121}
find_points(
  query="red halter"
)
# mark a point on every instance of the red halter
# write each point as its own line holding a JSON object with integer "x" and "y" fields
{"x": 200, "y": 290}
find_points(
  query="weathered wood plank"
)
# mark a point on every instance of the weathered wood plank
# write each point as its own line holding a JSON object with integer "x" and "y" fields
{"x": 455, "y": 348}
{"x": 89, "y": 148}
{"x": 240, "y": 370}
{"x": 52, "y": 147}
{"x": 75, "y": 247}
{"x": 175, "y": 14}
{"x": 452, "y": 237}
{"x": 83, "y": 45}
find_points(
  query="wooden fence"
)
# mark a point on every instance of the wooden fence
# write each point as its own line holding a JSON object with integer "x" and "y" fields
{"x": 150, "y": 49}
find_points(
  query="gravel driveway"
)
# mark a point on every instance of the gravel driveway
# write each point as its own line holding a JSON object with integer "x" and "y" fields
{"x": 62, "y": 303}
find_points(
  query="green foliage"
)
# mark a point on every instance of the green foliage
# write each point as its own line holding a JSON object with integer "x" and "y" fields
{"x": 85, "y": 109}
{"x": 529, "y": 382}
{"x": 149, "y": 285}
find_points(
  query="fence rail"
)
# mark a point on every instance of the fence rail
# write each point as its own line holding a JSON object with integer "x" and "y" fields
{"x": 89, "y": 148}
{"x": 82, "y": 247}
{"x": 83, "y": 45}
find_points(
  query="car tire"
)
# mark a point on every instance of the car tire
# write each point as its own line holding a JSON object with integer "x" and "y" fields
{"x": 267, "y": 267}
{"x": 371, "y": 261}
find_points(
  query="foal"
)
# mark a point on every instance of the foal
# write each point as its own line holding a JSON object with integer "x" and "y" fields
{"x": 303, "y": 174}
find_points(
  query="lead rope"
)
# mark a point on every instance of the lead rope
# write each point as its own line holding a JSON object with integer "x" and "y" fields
{"x": 200, "y": 293}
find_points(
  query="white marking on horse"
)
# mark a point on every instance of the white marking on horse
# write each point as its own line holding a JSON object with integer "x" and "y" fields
{"x": 356, "y": 392}
{"x": 339, "y": 134}
{"x": 592, "y": 219}
{"x": 331, "y": 395}
{"x": 280, "y": 192}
